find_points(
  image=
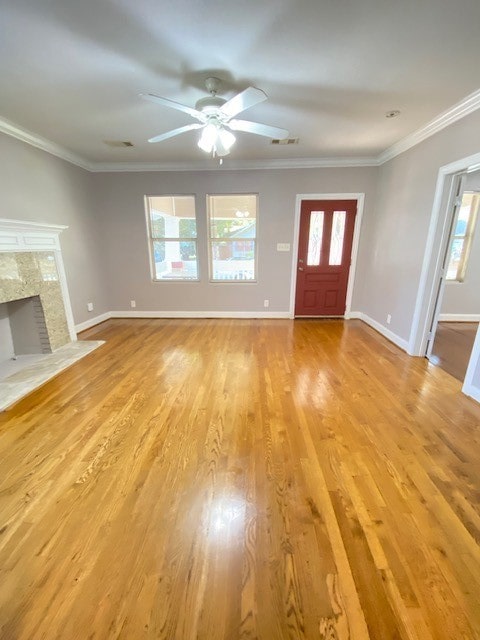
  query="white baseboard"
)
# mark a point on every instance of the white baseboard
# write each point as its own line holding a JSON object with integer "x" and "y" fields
{"x": 459, "y": 317}
{"x": 471, "y": 391}
{"x": 400, "y": 342}
{"x": 83, "y": 326}
{"x": 471, "y": 384}
{"x": 200, "y": 314}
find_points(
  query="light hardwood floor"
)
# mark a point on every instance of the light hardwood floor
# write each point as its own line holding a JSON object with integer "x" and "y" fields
{"x": 227, "y": 479}
{"x": 453, "y": 346}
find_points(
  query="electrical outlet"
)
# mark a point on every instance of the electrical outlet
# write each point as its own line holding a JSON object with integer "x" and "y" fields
{"x": 266, "y": 303}
{"x": 389, "y": 319}
{"x": 133, "y": 304}
{"x": 89, "y": 306}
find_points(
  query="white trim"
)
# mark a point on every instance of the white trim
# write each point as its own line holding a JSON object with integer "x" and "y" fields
{"x": 432, "y": 259}
{"x": 458, "y": 111}
{"x": 473, "y": 370}
{"x": 461, "y": 109}
{"x": 471, "y": 391}
{"x": 354, "y": 315}
{"x": 360, "y": 198}
{"x": 431, "y": 267}
{"x": 262, "y": 315}
{"x": 83, "y": 326}
{"x": 399, "y": 342}
{"x": 25, "y": 225}
{"x": 22, "y": 236}
{"x": 459, "y": 317}
{"x": 237, "y": 165}
{"x": 200, "y": 314}
{"x": 34, "y": 140}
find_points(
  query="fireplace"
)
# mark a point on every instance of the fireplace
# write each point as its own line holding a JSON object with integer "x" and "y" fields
{"x": 35, "y": 313}
{"x": 23, "y": 327}
{"x": 37, "y": 331}
{"x": 32, "y": 300}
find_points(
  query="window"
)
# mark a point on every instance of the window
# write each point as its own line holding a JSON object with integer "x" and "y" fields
{"x": 462, "y": 237}
{"x": 172, "y": 230}
{"x": 233, "y": 237}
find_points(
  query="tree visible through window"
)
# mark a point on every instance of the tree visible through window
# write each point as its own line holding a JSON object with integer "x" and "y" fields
{"x": 172, "y": 229}
{"x": 462, "y": 237}
{"x": 233, "y": 236}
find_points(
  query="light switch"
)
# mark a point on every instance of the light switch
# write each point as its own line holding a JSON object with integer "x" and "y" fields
{"x": 283, "y": 246}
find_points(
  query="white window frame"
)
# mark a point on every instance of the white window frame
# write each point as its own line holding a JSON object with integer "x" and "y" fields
{"x": 151, "y": 239}
{"x": 212, "y": 239}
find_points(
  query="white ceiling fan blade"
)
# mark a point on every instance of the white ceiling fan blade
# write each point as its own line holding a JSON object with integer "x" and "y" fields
{"x": 242, "y": 101}
{"x": 260, "y": 129}
{"x": 176, "y": 132}
{"x": 151, "y": 97}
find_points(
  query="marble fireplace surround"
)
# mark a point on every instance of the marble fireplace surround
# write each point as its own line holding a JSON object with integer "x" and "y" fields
{"x": 31, "y": 266}
{"x": 33, "y": 275}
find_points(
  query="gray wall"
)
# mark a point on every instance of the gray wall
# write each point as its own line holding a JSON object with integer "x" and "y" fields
{"x": 464, "y": 297}
{"x": 120, "y": 202}
{"x": 397, "y": 230}
{"x": 105, "y": 247}
{"x": 38, "y": 187}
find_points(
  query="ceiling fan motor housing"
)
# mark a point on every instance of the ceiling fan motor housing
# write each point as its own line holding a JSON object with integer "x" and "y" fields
{"x": 209, "y": 105}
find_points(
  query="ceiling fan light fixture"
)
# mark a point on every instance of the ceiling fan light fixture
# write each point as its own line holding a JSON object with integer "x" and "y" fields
{"x": 226, "y": 138}
{"x": 216, "y": 117}
{"x": 217, "y": 139}
{"x": 208, "y": 138}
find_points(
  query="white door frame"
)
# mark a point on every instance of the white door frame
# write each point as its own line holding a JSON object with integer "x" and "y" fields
{"x": 431, "y": 270}
{"x": 437, "y": 237}
{"x": 360, "y": 198}
{"x": 456, "y": 190}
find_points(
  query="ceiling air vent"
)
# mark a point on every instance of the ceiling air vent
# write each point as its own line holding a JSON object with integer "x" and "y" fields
{"x": 286, "y": 141}
{"x": 118, "y": 143}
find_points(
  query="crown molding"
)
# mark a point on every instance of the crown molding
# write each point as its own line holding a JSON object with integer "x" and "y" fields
{"x": 13, "y": 130}
{"x": 458, "y": 111}
{"x": 235, "y": 165}
{"x": 463, "y": 108}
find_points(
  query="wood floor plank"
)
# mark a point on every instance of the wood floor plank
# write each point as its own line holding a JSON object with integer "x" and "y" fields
{"x": 241, "y": 479}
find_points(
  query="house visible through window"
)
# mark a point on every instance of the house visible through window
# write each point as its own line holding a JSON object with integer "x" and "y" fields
{"x": 462, "y": 237}
{"x": 233, "y": 237}
{"x": 172, "y": 229}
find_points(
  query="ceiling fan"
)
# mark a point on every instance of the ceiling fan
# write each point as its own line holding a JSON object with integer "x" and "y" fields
{"x": 216, "y": 116}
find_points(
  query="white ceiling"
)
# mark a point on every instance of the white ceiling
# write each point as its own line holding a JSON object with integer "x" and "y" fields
{"x": 71, "y": 71}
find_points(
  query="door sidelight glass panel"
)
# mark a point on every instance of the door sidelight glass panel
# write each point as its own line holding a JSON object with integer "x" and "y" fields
{"x": 315, "y": 235}
{"x": 336, "y": 240}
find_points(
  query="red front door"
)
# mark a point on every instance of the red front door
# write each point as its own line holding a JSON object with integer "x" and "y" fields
{"x": 324, "y": 255}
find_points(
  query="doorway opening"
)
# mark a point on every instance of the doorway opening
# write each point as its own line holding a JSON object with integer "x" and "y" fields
{"x": 457, "y": 311}
{"x": 447, "y": 202}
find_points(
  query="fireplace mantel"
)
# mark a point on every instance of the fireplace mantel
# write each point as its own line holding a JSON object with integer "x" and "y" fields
{"x": 21, "y": 236}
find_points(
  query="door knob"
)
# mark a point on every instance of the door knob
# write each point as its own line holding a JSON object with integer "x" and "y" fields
{"x": 300, "y": 268}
